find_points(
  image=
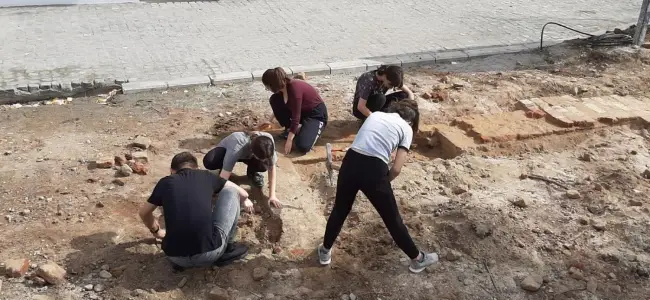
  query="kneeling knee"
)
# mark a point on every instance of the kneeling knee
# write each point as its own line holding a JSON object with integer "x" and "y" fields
{"x": 303, "y": 148}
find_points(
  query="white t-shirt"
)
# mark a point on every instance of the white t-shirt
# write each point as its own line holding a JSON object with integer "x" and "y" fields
{"x": 381, "y": 134}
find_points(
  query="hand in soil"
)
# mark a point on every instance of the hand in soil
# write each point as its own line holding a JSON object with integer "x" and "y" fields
{"x": 248, "y": 206}
{"x": 287, "y": 147}
{"x": 275, "y": 203}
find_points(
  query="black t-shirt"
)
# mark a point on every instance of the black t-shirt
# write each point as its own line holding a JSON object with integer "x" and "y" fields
{"x": 186, "y": 198}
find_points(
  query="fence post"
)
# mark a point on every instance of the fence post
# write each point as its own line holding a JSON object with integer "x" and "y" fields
{"x": 642, "y": 24}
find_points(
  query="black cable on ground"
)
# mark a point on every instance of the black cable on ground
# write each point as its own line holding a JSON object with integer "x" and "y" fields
{"x": 607, "y": 39}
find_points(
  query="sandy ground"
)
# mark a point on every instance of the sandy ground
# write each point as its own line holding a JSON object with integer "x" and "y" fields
{"x": 56, "y": 207}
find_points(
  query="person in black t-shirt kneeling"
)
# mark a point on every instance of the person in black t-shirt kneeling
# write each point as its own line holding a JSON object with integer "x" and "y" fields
{"x": 196, "y": 235}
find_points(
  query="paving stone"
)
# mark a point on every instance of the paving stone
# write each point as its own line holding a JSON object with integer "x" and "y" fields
{"x": 450, "y": 56}
{"x": 312, "y": 70}
{"x": 496, "y": 50}
{"x": 259, "y": 34}
{"x": 66, "y": 86}
{"x": 33, "y": 87}
{"x": 348, "y": 67}
{"x": 372, "y": 64}
{"x": 566, "y": 106}
{"x": 620, "y": 111}
{"x": 555, "y": 115}
{"x": 610, "y": 114}
{"x": 243, "y": 76}
{"x": 414, "y": 60}
{"x": 143, "y": 86}
{"x": 189, "y": 82}
{"x": 526, "y": 104}
{"x": 634, "y": 106}
{"x": 99, "y": 82}
{"x": 388, "y": 60}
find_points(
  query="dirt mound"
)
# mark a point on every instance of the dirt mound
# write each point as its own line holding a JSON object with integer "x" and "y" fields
{"x": 241, "y": 120}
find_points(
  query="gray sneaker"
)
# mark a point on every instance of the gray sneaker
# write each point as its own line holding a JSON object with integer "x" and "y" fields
{"x": 428, "y": 259}
{"x": 324, "y": 256}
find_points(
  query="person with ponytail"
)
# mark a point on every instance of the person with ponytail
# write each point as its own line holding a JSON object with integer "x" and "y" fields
{"x": 256, "y": 149}
{"x": 366, "y": 167}
{"x": 298, "y": 107}
{"x": 372, "y": 87}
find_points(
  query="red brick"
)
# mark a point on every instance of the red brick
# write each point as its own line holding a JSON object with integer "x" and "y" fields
{"x": 535, "y": 114}
{"x": 297, "y": 252}
{"x": 16, "y": 267}
{"x": 103, "y": 163}
{"x": 139, "y": 168}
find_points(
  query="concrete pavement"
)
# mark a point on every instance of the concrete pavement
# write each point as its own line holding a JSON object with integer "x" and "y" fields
{"x": 161, "y": 41}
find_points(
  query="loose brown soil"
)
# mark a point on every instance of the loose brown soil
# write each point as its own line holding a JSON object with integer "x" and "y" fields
{"x": 55, "y": 208}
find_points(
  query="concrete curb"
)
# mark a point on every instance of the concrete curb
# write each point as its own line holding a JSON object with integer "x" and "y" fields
{"x": 48, "y": 90}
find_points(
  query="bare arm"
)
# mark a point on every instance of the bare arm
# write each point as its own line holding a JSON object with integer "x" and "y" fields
{"x": 363, "y": 108}
{"x": 409, "y": 92}
{"x": 243, "y": 195}
{"x": 272, "y": 174}
{"x": 146, "y": 215}
{"x": 400, "y": 159}
{"x": 225, "y": 174}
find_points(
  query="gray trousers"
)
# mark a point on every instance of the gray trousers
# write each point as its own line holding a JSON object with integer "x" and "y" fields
{"x": 225, "y": 215}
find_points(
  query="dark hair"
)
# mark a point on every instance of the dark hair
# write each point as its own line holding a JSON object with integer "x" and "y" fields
{"x": 407, "y": 110}
{"x": 394, "y": 74}
{"x": 263, "y": 148}
{"x": 184, "y": 160}
{"x": 376, "y": 102}
{"x": 276, "y": 79}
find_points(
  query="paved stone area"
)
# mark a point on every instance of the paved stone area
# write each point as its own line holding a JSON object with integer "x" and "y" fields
{"x": 559, "y": 115}
{"x": 161, "y": 41}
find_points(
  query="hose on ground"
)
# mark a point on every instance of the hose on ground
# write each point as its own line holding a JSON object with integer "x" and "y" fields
{"x": 604, "y": 40}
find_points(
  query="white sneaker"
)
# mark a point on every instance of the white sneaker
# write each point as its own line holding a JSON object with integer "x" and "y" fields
{"x": 324, "y": 256}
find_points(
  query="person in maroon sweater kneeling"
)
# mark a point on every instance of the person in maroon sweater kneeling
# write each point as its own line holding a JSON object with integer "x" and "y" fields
{"x": 298, "y": 108}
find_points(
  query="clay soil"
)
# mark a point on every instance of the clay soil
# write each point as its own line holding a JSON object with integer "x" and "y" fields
{"x": 54, "y": 207}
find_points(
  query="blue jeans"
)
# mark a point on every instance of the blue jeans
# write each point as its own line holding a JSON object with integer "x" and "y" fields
{"x": 225, "y": 215}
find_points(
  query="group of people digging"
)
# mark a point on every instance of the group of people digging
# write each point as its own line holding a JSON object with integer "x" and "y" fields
{"x": 202, "y": 233}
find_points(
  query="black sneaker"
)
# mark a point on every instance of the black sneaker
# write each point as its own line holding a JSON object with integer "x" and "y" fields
{"x": 284, "y": 135}
{"x": 257, "y": 179}
{"x": 233, "y": 252}
{"x": 176, "y": 268}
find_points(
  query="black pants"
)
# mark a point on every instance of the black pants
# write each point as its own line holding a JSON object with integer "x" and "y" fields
{"x": 386, "y": 99}
{"x": 313, "y": 122}
{"x": 370, "y": 175}
{"x": 214, "y": 161}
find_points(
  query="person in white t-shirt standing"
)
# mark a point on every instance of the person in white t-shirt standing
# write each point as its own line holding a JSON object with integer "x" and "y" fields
{"x": 365, "y": 168}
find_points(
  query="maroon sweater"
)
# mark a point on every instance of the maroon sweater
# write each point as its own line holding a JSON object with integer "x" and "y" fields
{"x": 302, "y": 97}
